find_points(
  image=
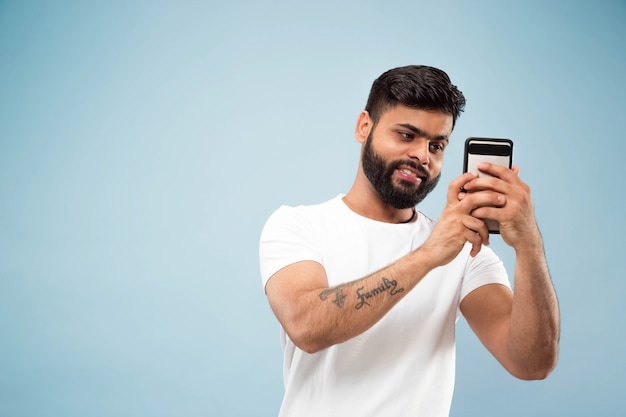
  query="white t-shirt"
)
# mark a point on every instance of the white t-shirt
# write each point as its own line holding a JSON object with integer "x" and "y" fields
{"x": 404, "y": 364}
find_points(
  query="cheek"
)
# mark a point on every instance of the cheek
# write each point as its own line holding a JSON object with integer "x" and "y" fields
{"x": 390, "y": 150}
{"x": 390, "y": 146}
{"x": 436, "y": 163}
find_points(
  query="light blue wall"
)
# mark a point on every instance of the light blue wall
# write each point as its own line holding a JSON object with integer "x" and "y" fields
{"x": 143, "y": 145}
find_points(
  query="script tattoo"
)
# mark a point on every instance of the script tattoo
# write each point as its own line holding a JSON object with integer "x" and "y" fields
{"x": 340, "y": 297}
{"x": 386, "y": 285}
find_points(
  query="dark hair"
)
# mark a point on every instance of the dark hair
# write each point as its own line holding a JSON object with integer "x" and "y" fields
{"x": 416, "y": 86}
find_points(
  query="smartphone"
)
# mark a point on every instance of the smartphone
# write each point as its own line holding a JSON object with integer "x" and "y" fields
{"x": 495, "y": 151}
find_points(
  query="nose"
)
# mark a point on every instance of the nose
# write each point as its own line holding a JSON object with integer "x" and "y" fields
{"x": 419, "y": 151}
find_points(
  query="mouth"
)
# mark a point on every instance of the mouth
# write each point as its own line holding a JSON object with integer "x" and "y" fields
{"x": 409, "y": 174}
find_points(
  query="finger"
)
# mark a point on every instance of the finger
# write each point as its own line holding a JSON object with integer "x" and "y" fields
{"x": 475, "y": 240}
{"x": 457, "y": 185}
{"x": 494, "y": 170}
{"x": 483, "y": 214}
{"x": 478, "y": 227}
{"x": 499, "y": 171}
{"x": 500, "y": 185}
{"x": 487, "y": 198}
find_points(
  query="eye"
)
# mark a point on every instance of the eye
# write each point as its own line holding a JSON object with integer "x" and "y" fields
{"x": 406, "y": 136}
{"x": 437, "y": 147}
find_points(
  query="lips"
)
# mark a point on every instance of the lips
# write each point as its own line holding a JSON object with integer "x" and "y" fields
{"x": 410, "y": 174}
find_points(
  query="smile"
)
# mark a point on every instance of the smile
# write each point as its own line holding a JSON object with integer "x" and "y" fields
{"x": 407, "y": 174}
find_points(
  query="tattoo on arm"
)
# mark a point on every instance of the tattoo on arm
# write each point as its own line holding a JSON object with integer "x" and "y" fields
{"x": 340, "y": 297}
{"x": 390, "y": 285}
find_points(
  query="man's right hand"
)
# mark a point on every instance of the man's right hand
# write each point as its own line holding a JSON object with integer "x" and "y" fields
{"x": 456, "y": 226}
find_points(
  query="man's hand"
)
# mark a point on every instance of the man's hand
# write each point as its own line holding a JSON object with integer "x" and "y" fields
{"x": 457, "y": 223}
{"x": 516, "y": 215}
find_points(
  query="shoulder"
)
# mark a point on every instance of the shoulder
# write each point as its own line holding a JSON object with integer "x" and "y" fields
{"x": 303, "y": 213}
{"x": 292, "y": 234}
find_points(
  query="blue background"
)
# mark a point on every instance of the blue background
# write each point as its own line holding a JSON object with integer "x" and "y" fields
{"x": 144, "y": 144}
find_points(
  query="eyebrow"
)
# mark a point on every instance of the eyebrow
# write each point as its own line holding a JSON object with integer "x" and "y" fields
{"x": 419, "y": 132}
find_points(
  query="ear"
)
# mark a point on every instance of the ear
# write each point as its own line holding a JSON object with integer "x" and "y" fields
{"x": 363, "y": 127}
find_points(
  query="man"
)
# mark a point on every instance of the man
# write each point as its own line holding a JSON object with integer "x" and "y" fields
{"x": 367, "y": 289}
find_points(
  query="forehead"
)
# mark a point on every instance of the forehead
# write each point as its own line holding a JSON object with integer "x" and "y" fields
{"x": 434, "y": 122}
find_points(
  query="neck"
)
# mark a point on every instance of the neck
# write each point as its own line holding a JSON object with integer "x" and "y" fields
{"x": 369, "y": 205}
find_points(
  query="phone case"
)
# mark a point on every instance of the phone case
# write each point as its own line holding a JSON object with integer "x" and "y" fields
{"x": 493, "y": 150}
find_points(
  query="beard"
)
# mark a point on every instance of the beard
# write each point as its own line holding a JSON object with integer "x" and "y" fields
{"x": 380, "y": 174}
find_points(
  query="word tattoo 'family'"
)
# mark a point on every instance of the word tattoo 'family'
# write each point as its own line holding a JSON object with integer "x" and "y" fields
{"x": 386, "y": 285}
{"x": 390, "y": 285}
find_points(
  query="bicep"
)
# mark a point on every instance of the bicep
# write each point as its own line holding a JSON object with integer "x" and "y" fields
{"x": 289, "y": 290}
{"x": 487, "y": 310}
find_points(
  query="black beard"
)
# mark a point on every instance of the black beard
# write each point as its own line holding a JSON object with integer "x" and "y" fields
{"x": 380, "y": 175}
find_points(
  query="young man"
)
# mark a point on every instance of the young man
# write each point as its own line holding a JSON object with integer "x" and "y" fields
{"x": 367, "y": 289}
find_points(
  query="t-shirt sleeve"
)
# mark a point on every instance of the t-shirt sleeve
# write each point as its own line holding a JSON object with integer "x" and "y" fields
{"x": 485, "y": 268}
{"x": 287, "y": 237}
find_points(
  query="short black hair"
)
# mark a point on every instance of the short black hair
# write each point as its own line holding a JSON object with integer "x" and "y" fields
{"x": 417, "y": 86}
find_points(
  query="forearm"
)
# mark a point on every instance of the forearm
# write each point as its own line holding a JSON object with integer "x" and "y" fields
{"x": 535, "y": 323}
{"x": 323, "y": 317}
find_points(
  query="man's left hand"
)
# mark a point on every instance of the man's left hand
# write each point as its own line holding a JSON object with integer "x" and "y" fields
{"x": 516, "y": 217}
